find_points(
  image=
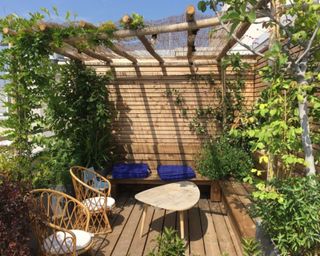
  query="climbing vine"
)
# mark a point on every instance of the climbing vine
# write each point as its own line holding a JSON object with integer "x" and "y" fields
{"x": 74, "y": 99}
{"x": 230, "y": 105}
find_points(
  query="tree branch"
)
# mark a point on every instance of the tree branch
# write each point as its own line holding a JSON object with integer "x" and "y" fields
{"x": 306, "y": 51}
{"x": 223, "y": 25}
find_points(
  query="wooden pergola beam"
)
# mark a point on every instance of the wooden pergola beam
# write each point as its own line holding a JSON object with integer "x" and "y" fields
{"x": 90, "y": 52}
{"x": 70, "y": 55}
{"x": 119, "y": 51}
{"x": 242, "y": 29}
{"x": 126, "y": 20}
{"x": 166, "y": 28}
{"x": 61, "y": 51}
{"x": 157, "y": 64}
{"x": 190, "y": 12}
{"x": 150, "y": 49}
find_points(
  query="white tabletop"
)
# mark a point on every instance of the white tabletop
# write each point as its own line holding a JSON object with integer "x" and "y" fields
{"x": 177, "y": 196}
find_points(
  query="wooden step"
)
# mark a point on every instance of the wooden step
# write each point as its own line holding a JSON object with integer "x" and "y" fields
{"x": 235, "y": 197}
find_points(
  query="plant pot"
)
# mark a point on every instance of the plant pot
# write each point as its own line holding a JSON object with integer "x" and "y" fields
{"x": 267, "y": 245}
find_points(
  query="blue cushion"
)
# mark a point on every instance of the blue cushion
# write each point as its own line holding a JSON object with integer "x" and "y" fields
{"x": 129, "y": 171}
{"x": 175, "y": 172}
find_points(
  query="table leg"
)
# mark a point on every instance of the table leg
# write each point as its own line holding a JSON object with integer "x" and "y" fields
{"x": 144, "y": 213}
{"x": 181, "y": 217}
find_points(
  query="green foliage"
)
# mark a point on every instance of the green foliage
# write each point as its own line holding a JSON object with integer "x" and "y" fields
{"x": 27, "y": 69}
{"x": 136, "y": 22}
{"x": 178, "y": 99}
{"x": 169, "y": 244}
{"x": 78, "y": 113}
{"x": 232, "y": 101}
{"x": 76, "y": 102}
{"x": 221, "y": 158}
{"x": 294, "y": 223}
{"x": 251, "y": 247}
{"x": 202, "y": 119}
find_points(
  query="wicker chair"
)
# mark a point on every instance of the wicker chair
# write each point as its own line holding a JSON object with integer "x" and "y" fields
{"x": 60, "y": 223}
{"x": 93, "y": 190}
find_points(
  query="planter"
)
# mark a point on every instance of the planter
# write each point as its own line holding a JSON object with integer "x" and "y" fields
{"x": 267, "y": 245}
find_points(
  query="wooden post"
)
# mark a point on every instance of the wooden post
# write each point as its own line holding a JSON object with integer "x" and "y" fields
{"x": 215, "y": 191}
{"x": 191, "y": 33}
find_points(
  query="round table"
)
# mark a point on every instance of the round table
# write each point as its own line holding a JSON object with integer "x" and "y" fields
{"x": 177, "y": 196}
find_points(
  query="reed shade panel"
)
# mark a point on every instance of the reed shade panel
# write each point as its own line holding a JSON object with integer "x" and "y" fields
{"x": 93, "y": 190}
{"x": 55, "y": 217}
{"x": 148, "y": 126}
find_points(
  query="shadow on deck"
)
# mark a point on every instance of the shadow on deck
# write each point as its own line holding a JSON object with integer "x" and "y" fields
{"x": 208, "y": 230}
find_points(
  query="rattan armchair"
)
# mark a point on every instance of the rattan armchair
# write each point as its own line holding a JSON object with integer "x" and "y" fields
{"x": 93, "y": 190}
{"x": 60, "y": 223}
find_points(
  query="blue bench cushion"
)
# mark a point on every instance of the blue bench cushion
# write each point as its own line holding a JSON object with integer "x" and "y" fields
{"x": 129, "y": 171}
{"x": 175, "y": 172}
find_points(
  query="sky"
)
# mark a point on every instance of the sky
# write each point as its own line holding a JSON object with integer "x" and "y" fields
{"x": 97, "y": 11}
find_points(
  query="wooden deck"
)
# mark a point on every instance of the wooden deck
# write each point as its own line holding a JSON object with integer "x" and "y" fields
{"x": 208, "y": 228}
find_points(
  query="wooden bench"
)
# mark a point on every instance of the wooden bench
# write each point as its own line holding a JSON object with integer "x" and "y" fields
{"x": 235, "y": 197}
{"x": 154, "y": 179}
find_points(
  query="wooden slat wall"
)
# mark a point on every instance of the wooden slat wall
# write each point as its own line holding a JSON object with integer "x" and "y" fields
{"x": 148, "y": 126}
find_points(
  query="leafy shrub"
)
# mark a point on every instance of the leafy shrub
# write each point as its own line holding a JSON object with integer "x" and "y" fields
{"x": 251, "y": 247}
{"x": 14, "y": 220}
{"x": 169, "y": 243}
{"x": 221, "y": 158}
{"x": 294, "y": 224}
{"x": 79, "y": 115}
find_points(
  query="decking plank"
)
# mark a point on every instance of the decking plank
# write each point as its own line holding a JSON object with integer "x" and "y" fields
{"x": 208, "y": 228}
{"x": 118, "y": 226}
{"x": 126, "y": 236}
{"x": 155, "y": 230}
{"x": 195, "y": 232}
{"x": 170, "y": 219}
{"x": 210, "y": 238}
{"x": 235, "y": 239}
{"x": 224, "y": 238}
{"x": 238, "y": 211}
{"x": 138, "y": 243}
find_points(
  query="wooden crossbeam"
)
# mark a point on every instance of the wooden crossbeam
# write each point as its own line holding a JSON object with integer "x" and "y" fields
{"x": 242, "y": 29}
{"x": 127, "y": 20}
{"x": 70, "y": 55}
{"x": 123, "y": 53}
{"x": 90, "y": 52}
{"x": 157, "y": 64}
{"x": 190, "y": 12}
{"x": 96, "y": 55}
{"x": 61, "y": 51}
{"x": 166, "y": 28}
{"x": 150, "y": 49}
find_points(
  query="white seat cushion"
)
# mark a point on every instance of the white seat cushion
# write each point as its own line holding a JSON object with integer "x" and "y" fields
{"x": 61, "y": 242}
{"x": 97, "y": 203}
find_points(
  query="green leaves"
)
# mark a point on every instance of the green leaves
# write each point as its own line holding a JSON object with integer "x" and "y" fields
{"x": 221, "y": 158}
{"x": 292, "y": 219}
{"x": 202, "y": 6}
{"x": 169, "y": 243}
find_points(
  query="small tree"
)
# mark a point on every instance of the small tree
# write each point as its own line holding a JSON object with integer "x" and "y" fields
{"x": 289, "y": 102}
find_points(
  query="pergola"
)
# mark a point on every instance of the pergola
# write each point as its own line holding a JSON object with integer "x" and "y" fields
{"x": 115, "y": 55}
